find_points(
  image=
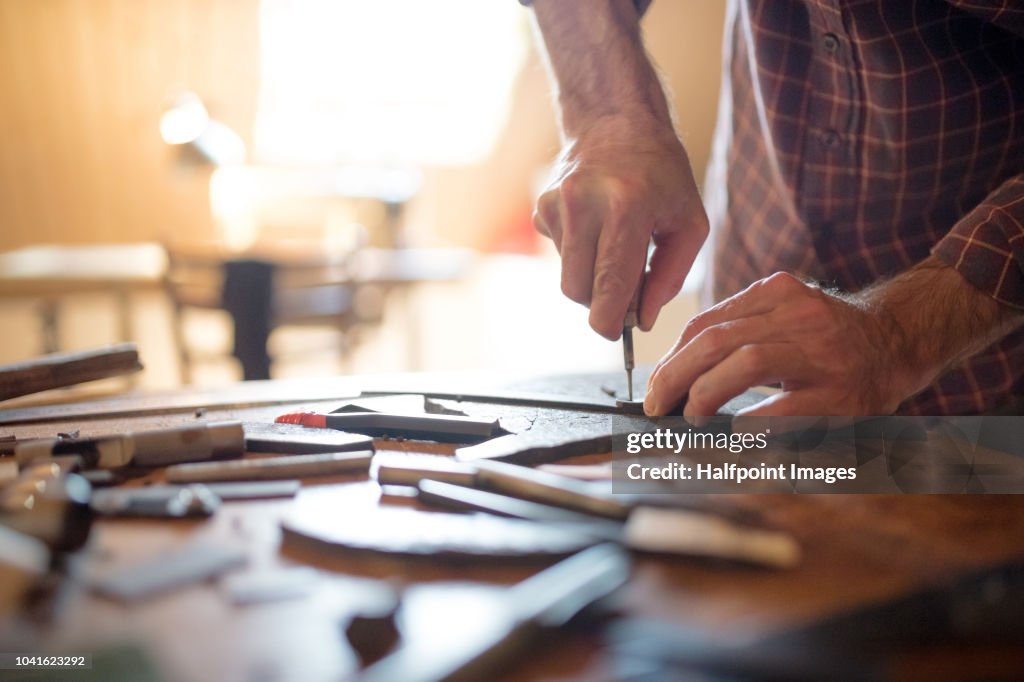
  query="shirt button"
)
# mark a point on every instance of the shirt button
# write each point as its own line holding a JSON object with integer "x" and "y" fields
{"x": 830, "y": 139}
{"x": 830, "y": 42}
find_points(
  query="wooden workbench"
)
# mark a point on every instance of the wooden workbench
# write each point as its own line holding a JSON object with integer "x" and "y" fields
{"x": 857, "y": 549}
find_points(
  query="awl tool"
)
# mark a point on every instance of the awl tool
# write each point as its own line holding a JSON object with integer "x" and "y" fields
{"x": 627, "y": 337}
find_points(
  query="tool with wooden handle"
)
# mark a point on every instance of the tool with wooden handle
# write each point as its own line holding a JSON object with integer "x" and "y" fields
{"x": 152, "y": 448}
{"x": 67, "y": 369}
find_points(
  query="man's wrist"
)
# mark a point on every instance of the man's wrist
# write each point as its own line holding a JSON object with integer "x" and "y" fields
{"x": 634, "y": 130}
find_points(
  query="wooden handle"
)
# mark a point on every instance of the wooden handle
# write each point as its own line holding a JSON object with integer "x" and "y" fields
{"x": 67, "y": 369}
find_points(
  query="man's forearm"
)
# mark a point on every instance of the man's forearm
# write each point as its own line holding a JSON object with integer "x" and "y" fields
{"x": 598, "y": 61}
{"x": 623, "y": 180}
{"x": 934, "y": 319}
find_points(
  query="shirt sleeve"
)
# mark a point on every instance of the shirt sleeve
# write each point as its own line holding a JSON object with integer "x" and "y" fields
{"x": 987, "y": 245}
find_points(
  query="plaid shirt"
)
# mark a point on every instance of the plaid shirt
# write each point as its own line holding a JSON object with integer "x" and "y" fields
{"x": 855, "y": 137}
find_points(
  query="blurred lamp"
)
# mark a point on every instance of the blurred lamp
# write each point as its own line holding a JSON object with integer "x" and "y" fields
{"x": 186, "y": 124}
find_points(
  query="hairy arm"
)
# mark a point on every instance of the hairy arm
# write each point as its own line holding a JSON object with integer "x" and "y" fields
{"x": 833, "y": 353}
{"x": 623, "y": 178}
{"x": 598, "y": 63}
{"x": 936, "y": 320}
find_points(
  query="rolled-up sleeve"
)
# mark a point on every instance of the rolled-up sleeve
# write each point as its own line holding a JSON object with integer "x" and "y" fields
{"x": 987, "y": 245}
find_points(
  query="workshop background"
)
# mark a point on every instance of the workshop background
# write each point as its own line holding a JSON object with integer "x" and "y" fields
{"x": 318, "y": 127}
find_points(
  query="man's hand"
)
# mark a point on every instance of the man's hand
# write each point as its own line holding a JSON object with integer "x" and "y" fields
{"x": 828, "y": 354}
{"x": 618, "y": 186}
{"x": 852, "y": 355}
{"x": 623, "y": 178}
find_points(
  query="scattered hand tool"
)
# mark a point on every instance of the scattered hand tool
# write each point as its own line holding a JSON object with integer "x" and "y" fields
{"x": 657, "y": 531}
{"x": 160, "y": 447}
{"x": 541, "y": 486}
{"x": 289, "y": 439}
{"x": 164, "y": 502}
{"x": 410, "y": 470}
{"x": 254, "y": 490}
{"x": 518, "y": 616}
{"x": 559, "y": 501}
{"x": 269, "y": 468}
{"x": 464, "y": 498}
{"x": 177, "y": 568}
{"x": 508, "y": 479}
{"x": 182, "y": 501}
{"x": 442, "y": 428}
{"x": 67, "y": 369}
{"x": 627, "y": 336}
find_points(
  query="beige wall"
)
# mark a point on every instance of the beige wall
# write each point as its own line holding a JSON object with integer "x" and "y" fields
{"x": 684, "y": 38}
{"x": 83, "y": 84}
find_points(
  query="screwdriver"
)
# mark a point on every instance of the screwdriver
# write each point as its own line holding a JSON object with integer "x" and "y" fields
{"x": 627, "y": 337}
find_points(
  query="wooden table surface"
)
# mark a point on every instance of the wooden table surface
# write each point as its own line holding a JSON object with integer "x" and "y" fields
{"x": 857, "y": 549}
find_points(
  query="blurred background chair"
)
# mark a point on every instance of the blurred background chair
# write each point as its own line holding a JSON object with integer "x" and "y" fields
{"x": 269, "y": 288}
{"x": 261, "y": 292}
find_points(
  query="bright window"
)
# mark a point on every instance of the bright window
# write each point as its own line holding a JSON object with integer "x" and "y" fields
{"x": 385, "y": 82}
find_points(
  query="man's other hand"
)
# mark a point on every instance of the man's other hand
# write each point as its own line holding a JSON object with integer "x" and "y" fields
{"x": 831, "y": 355}
{"x": 617, "y": 186}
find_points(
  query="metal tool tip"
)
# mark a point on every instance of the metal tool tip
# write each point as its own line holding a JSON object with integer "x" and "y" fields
{"x": 629, "y": 382}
